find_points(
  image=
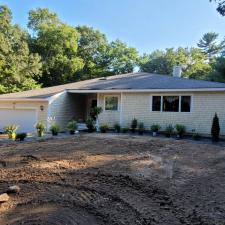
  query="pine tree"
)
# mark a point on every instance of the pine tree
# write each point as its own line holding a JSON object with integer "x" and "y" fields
{"x": 215, "y": 130}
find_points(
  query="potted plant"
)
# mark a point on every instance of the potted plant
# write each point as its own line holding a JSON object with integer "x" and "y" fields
{"x": 169, "y": 131}
{"x": 215, "y": 130}
{"x": 141, "y": 128}
{"x": 90, "y": 123}
{"x": 104, "y": 127}
{"x": 117, "y": 128}
{"x": 134, "y": 124}
{"x": 11, "y": 131}
{"x": 72, "y": 127}
{"x": 21, "y": 136}
{"x": 94, "y": 113}
{"x": 180, "y": 130}
{"x": 125, "y": 130}
{"x": 55, "y": 129}
{"x": 40, "y": 127}
{"x": 155, "y": 128}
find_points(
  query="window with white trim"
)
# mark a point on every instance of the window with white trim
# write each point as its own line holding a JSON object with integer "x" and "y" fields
{"x": 111, "y": 103}
{"x": 171, "y": 103}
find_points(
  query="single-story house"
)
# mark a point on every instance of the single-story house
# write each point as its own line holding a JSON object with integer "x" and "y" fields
{"x": 150, "y": 98}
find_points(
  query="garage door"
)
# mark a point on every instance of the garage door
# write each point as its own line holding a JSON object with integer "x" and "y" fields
{"x": 24, "y": 118}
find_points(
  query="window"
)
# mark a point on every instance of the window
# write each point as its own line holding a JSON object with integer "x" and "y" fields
{"x": 171, "y": 103}
{"x": 185, "y": 103}
{"x": 156, "y": 103}
{"x": 111, "y": 103}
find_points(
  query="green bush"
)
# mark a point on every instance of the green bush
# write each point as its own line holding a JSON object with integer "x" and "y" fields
{"x": 180, "y": 130}
{"x": 11, "y": 131}
{"x": 134, "y": 124}
{"x": 141, "y": 128}
{"x": 94, "y": 112}
{"x": 117, "y": 128}
{"x": 72, "y": 126}
{"x": 155, "y": 127}
{"x": 90, "y": 123}
{"x": 21, "y": 136}
{"x": 196, "y": 136}
{"x": 169, "y": 130}
{"x": 215, "y": 130}
{"x": 55, "y": 129}
{"x": 125, "y": 130}
{"x": 40, "y": 127}
{"x": 104, "y": 127}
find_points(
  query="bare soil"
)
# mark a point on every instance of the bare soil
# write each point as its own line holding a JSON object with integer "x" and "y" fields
{"x": 113, "y": 179}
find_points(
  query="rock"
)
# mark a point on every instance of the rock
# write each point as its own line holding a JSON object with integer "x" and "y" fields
{"x": 4, "y": 198}
{"x": 13, "y": 189}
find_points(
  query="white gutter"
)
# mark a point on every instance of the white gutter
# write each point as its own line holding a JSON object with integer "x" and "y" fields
{"x": 147, "y": 90}
{"x": 23, "y": 100}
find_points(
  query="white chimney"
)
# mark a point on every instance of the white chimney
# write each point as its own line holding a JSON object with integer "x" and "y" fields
{"x": 177, "y": 71}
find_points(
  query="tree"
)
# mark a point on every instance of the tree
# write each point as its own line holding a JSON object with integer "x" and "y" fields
{"x": 162, "y": 62}
{"x": 122, "y": 59}
{"x": 18, "y": 67}
{"x": 209, "y": 44}
{"x": 215, "y": 130}
{"x": 57, "y": 44}
{"x": 220, "y": 7}
{"x": 92, "y": 48}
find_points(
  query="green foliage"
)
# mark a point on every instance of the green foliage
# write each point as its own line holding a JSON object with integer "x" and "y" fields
{"x": 169, "y": 130}
{"x": 11, "y": 130}
{"x": 40, "y": 127}
{"x": 125, "y": 130}
{"x": 209, "y": 44}
{"x": 196, "y": 136}
{"x": 21, "y": 136}
{"x": 95, "y": 111}
{"x": 90, "y": 123}
{"x": 180, "y": 130}
{"x": 141, "y": 128}
{"x": 215, "y": 130}
{"x": 104, "y": 127}
{"x": 134, "y": 124}
{"x": 220, "y": 6}
{"x": 117, "y": 127}
{"x": 155, "y": 127}
{"x": 72, "y": 126}
{"x": 18, "y": 67}
{"x": 55, "y": 128}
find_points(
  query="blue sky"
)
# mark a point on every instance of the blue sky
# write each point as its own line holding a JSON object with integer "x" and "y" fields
{"x": 144, "y": 24}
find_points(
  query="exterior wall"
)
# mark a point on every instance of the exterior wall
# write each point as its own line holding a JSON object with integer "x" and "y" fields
{"x": 41, "y": 114}
{"x": 138, "y": 105}
{"x": 109, "y": 117}
{"x": 64, "y": 107}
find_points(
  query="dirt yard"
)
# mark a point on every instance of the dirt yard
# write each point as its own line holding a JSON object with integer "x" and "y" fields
{"x": 109, "y": 179}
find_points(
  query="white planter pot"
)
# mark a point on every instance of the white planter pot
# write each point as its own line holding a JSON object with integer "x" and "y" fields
{"x": 154, "y": 134}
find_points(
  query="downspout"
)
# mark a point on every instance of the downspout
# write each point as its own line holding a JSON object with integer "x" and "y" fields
{"x": 121, "y": 109}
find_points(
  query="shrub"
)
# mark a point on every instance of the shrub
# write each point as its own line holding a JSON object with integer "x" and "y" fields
{"x": 125, "y": 130}
{"x": 141, "y": 128}
{"x": 215, "y": 130}
{"x": 104, "y": 127}
{"x": 94, "y": 112}
{"x": 11, "y": 131}
{"x": 180, "y": 130}
{"x": 155, "y": 127}
{"x": 21, "y": 136}
{"x": 40, "y": 127}
{"x": 134, "y": 124}
{"x": 117, "y": 127}
{"x": 169, "y": 130}
{"x": 196, "y": 136}
{"x": 72, "y": 126}
{"x": 55, "y": 129}
{"x": 90, "y": 123}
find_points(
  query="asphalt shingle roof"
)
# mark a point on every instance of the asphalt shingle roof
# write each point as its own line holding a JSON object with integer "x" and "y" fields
{"x": 120, "y": 82}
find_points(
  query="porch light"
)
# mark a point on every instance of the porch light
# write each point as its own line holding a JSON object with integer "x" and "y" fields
{"x": 41, "y": 107}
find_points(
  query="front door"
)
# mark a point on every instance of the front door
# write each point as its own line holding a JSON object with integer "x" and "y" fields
{"x": 91, "y": 104}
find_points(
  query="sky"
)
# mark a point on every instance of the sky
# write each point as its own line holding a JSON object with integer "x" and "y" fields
{"x": 144, "y": 24}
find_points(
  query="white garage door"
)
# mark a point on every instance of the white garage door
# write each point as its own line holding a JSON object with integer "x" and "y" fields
{"x": 24, "y": 118}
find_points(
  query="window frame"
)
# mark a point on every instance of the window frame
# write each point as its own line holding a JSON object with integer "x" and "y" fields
{"x": 118, "y": 105}
{"x": 170, "y": 94}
